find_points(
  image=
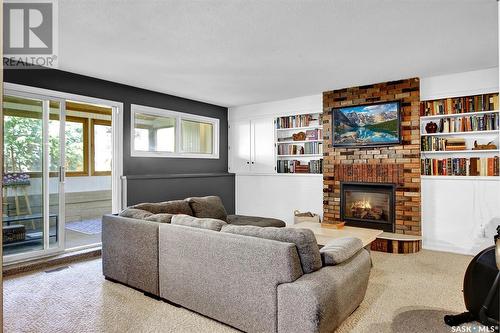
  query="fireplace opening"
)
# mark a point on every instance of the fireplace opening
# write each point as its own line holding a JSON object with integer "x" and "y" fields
{"x": 368, "y": 205}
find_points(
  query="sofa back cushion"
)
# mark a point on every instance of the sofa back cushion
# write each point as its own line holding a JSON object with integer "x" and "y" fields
{"x": 161, "y": 217}
{"x": 166, "y": 207}
{"x": 339, "y": 250}
{"x": 202, "y": 223}
{"x": 304, "y": 240}
{"x": 135, "y": 213}
{"x": 210, "y": 207}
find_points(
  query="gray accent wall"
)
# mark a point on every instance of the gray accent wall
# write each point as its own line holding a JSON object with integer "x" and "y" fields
{"x": 158, "y": 176}
{"x": 174, "y": 187}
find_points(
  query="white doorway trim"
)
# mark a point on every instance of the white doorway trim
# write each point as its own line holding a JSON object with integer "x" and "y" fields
{"x": 117, "y": 128}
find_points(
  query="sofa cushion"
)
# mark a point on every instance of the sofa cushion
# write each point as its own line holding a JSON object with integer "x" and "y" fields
{"x": 339, "y": 250}
{"x": 202, "y": 223}
{"x": 135, "y": 213}
{"x": 303, "y": 239}
{"x": 210, "y": 207}
{"x": 162, "y": 218}
{"x": 166, "y": 207}
{"x": 254, "y": 220}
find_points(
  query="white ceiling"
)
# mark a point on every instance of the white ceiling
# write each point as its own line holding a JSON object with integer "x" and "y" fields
{"x": 235, "y": 52}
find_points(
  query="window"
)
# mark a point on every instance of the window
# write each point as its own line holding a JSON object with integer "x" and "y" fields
{"x": 197, "y": 137}
{"x": 141, "y": 139}
{"x": 23, "y": 140}
{"x": 102, "y": 150}
{"x": 165, "y": 139}
{"x": 164, "y": 133}
{"x": 154, "y": 133}
{"x": 76, "y": 146}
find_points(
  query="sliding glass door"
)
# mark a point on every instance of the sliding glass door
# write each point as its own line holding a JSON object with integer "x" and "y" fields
{"x": 33, "y": 175}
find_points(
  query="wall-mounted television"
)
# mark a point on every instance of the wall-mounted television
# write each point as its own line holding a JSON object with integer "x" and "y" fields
{"x": 367, "y": 125}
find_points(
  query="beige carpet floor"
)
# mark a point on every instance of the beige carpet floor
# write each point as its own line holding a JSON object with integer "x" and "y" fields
{"x": 406, "y": 293}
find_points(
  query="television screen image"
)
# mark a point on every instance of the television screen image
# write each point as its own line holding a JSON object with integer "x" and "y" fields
{"x": 366, "y": 125}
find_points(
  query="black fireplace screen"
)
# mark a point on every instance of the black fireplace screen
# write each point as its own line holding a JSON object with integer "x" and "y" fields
{"x": 368, "y": 205}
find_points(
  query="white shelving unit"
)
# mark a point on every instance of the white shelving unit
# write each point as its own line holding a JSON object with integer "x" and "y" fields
{"x": 283, "y": 138}
{"x": 481, "y": 136}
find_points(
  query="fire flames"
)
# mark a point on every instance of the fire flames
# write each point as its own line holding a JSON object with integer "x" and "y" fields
{"x": 361, "y": 204}
{"x": 363, "y": 209}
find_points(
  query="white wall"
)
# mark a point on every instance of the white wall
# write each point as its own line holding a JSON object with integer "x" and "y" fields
{"x": 459, "y": 215}
{"x": 278, "y": 195}
{"x": 459, "y": 84}
{"x": 286, "y": 107}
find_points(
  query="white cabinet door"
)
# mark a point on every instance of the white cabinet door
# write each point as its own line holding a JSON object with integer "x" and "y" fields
{"x": 239, "y": 147}
{"x": 262, "y": 159}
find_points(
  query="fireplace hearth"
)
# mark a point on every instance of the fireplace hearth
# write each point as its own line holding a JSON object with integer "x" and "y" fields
{"x": 368, "y": 205}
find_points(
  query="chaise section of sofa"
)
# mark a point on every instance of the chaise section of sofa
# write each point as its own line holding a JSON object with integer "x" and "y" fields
{"x": 322, "y": 300}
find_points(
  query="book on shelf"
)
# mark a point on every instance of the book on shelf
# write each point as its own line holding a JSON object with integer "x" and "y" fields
{"x": 431, "y": 143}
{"x": 311, "y": 135}
{"x": 455, "y": 148}
{"x": 482, "y": 122}
{"x": 466, "y": 104}
{"x": 314, "y": 134}
{"x": 285, "y": 138}
{"x": 300, "y": 148}
{"x": 295, "y": 166}
{"x": 474, "y": 166}
{"x": 303, "y": 120}
{"x": 455, "y": 144}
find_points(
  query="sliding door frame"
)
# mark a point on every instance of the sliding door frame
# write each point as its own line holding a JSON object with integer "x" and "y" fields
{"x": 46, "y": 250}
{"x": 117, "y": 165}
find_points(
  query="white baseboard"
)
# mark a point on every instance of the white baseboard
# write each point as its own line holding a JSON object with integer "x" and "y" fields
{"x": 443, "y": 247}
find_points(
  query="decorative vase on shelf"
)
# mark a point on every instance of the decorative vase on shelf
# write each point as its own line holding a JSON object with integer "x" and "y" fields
{"x": 431, "y": 127}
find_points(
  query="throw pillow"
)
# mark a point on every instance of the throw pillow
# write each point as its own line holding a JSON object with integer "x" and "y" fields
{"x": 162, "y": 218}
{"x": 202, "y": 223}
{"x": 135, "y": 213}
{"x": 304, "y": 240}
{"x": 210, "y": 207}
{"x": 339, "y": 250}
{"x": 166, "y": 207}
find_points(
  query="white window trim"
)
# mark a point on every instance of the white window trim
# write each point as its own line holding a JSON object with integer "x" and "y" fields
{"x": 135, "y": 108}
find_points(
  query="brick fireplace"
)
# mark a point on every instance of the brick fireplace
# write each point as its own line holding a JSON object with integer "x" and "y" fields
{"x": 397, "y": 166}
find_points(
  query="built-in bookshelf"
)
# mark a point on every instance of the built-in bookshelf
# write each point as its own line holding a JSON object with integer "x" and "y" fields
{"x": 460, "y": 136}
{"x": 299, "y": 144}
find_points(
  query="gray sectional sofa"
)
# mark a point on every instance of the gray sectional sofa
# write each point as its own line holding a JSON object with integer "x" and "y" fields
{"x": 252, "y": 278}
